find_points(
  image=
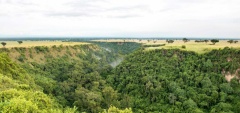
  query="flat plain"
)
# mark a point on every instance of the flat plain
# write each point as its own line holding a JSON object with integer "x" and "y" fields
{"x": 200, "y": 47}
{"x": 29, "y": 44}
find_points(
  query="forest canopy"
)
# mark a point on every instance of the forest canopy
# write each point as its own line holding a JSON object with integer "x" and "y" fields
{"x": 82, "y": 80}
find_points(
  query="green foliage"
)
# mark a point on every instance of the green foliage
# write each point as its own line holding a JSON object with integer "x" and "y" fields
{"x": 185, "y": 40}
{"x": 178, "y": 80}
{"x": 169, "y": 41}
{"x": 146, "y": 81}
{"x": 206, "y": 41}
{"x": 19, "y": 93}
{"x": 115, "y": 47}
{"x": 20, "y": 42}
{"x": 77, "y": 82}
{"x": 3, "y": 44}
{"x": 183, "y": 46}
{"x": 42, "y": 49}
{"x": 232, "y": 41}
{"x": 214, "y": 41}
{"x": 21, "y": 58}
{"x": 155, "y": 45}
{"x": 14, "y": 71}
{"x": 20, "y": 49}
{"x": 113, "y": 109}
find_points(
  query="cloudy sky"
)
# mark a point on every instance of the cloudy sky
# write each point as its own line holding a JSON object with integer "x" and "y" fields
{"x": 120, "y": 18}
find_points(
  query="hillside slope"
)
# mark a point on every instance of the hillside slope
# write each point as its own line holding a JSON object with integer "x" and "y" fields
{"x": 19, "y": 93}
{"x": 73, "y": 75}
{"x": 81, "y": 77}
{"x": 179, "y": 81}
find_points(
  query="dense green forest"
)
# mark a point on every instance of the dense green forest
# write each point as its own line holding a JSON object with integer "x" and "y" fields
{"x": 19, "y": 93}
{"x": 179, "y": 81}
{"x": 69, "y": 79}
{"x": 80, "y": 78}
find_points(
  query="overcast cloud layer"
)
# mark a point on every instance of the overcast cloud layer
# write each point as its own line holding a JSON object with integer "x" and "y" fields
{"x": 120, "y": 18}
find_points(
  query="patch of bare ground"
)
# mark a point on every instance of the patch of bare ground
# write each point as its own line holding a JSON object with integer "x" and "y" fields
{"x": 229, "y": 76}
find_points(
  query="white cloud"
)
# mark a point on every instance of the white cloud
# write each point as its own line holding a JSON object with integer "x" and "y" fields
{"x": 143, "y": 18}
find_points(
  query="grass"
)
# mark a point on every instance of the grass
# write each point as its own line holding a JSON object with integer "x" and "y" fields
{"x": 29, "y": 44}
{"x": 190, "y": 46}
{"x": 197, "y": 47}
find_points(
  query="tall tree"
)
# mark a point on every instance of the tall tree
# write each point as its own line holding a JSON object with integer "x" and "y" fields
{"x": 214, "y": 41}
{"x": 230, "y": 41}
{"x": 4, "y": 44}
{"x": 170, "y": 41}
{"x": 206, "y": 41}
{"x": 20, "y": 42}
{"x": 185, "y": 40}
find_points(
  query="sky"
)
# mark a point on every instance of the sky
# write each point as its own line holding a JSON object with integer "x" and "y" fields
{"x": 120, "y": 18}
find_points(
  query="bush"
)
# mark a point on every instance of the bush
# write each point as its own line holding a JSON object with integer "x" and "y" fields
{"x": 41, "y": 49}
{"x": 183, "y": 46}
{"x": 21, "y": 58}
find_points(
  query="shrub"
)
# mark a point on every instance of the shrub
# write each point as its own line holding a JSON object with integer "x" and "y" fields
{"x": 21, "y": 58}
{"x": 41, "y": 49}
{"x": 183, "y": 46}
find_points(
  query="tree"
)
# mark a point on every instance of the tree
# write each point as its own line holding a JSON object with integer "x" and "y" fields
{"x": 20, "y": 42}
{"x": 113, "y": 109}
{"x": 183, "y": 46}
{"x": 206, "y": 41}
{"x": 4, "y": 44}
{"x": 185, "y": 40}
{"x": 188, "y": 104}
{"x": 214, "y": 41}
{"x": 199, "y": 41}
{"x": 170, "y": 41}
{"x": 172, "y": 98}
{"x": 230, "y": 41}
{"x": 226, "y": 88}
{"x": 109, "y": 95}
{"x": 222, "y": 107}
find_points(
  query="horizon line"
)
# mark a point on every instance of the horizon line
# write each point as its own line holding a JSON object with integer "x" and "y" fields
{"x": 113, "y": 37}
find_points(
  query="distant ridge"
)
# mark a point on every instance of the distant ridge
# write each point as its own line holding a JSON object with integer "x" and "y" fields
{"x": 105, "y": 38}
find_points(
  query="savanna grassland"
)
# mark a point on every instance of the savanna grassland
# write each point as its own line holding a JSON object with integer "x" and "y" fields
{"x": 191, "y": 45}
{"x": 29, "y": 43}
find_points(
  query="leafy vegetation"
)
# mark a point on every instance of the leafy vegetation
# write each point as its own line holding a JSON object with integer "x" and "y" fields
{"x": 185, "y": 40}
{"x": 169, "y": 41}
{"x": 179, "y": 81}
{"x": 4, "y": 44}
{"x": 155, "y": 45}
{"x": 232, "y": 41}
{"x": 20, "y": 42}
{"x": 80, "y": 79}
{"x": 19, "y": 93}
{"x": 183, "y": 46}
{"x": 73, "y": 81}
{"x": 119, "y": 47}
{"x": 214, "y": 41}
